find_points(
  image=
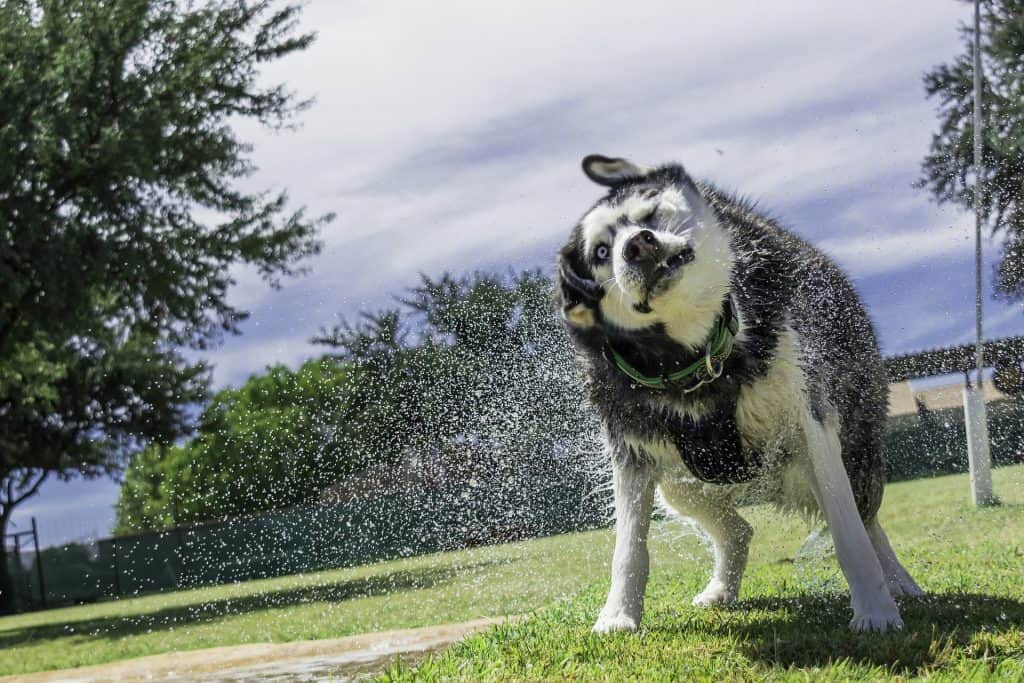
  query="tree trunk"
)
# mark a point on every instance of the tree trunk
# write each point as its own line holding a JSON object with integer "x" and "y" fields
{"x": 7, "y": 602}
{"x": 13, "y": 494}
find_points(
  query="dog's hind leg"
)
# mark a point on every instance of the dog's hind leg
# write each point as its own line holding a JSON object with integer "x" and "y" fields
{"x": 730, "y": 534}
{"x": 873, "y": 606}
{"x": 896, "y": 577}
{"x": 633, "y": 485}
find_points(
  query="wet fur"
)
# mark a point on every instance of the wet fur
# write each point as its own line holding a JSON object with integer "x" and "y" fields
{"x": 804, "y": 387}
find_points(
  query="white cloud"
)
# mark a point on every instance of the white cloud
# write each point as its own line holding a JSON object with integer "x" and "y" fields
{"x": 876, "y": 253}
{"x": 239, "y": 358}
{"x": 445, "y": 135}
{"x": 998, "y": 320}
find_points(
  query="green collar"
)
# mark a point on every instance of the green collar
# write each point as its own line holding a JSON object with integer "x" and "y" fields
{"x": 702, "y": 371}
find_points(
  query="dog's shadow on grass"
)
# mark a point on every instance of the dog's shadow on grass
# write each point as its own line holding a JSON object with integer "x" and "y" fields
{"x": 178, "y": 616}
{"x": 812, "y": 631}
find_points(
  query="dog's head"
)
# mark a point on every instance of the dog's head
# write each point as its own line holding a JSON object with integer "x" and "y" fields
{"x": 651, "y": 252}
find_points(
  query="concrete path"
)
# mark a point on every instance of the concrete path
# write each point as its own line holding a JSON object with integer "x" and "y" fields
{"x": 340, "y": 659}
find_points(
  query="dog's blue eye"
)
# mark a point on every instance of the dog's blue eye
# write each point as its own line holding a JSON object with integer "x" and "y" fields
{"x": 601, "y": 253}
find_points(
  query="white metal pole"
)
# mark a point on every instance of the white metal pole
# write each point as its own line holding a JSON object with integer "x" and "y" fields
{"x": 975, "y": 418}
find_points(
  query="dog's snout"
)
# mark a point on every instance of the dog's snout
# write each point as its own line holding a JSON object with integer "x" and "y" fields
{"x": 641, "y": 247}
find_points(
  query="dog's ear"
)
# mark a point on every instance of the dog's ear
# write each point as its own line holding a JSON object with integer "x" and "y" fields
{"x": 612, "y": 172}
{"x": 579, "y": 294}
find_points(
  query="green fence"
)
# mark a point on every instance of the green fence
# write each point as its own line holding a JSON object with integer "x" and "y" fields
{"x": 934, "y": 442}
{"x": 307, "y": 539}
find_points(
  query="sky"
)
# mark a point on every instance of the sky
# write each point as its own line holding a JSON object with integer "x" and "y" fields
{"x": 448, "y": 136}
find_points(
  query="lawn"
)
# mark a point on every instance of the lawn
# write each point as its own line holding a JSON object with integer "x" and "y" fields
{"x": 421, "y": 591}
{"x": 972, "y": 563}
{"x": 791, "y": 622}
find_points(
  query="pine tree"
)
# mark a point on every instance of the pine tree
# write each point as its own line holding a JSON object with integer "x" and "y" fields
{"x": 948, "y": 169}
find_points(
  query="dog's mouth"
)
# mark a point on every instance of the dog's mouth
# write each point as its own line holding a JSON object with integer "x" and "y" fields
{"x": 659, "y": 278}
{"x": 677, "y": 260}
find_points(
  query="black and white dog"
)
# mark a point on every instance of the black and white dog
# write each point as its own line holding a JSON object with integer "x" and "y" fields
{"x": 721, "y": 353}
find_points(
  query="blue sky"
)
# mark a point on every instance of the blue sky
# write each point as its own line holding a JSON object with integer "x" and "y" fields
{"x": 447, "y": 136}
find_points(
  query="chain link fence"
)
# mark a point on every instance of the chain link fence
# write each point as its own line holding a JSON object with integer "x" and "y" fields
{"x": 304, "y": 539}
{"x": 934, "y": 442}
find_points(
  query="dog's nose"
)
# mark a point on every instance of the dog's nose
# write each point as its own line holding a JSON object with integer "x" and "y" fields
{"x": 641, "y": 247}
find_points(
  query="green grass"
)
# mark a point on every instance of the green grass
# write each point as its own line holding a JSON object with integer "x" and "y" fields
{"x": 791, "y": 621}
{"x": 971, "y": 561}
{"x": 421, "y": 591}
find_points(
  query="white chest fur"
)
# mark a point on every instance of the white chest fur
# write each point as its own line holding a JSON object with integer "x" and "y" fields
{"x": 768, "y": 410}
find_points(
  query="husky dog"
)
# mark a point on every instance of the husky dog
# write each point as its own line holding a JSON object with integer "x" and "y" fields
{"x": 721, "y": 353}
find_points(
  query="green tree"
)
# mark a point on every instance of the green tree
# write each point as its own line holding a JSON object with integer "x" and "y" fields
{"x": 948, "y": 170}
{"x": 489, "y": 365}
{"x": 475, "y": 371}
{"x": 492, "y": 376}
{"x": 271, "y": 443}
{"x": 121, "y": 217}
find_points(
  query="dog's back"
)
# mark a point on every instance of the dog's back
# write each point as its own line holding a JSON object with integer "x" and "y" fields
{"x": 783, "y": 280}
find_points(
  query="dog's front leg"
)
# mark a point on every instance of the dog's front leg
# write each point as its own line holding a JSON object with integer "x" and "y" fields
{"x": 634, "y": 492}
{"x": 873, "y": 606}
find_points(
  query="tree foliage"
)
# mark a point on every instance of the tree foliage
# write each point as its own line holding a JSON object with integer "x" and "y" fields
{"x": 948, "y": 170}
{"x": 264, "y": 445}
{"x": 490, "y": 370}
{"x": 121, "y": 216}
{"x": 473, "y": 371}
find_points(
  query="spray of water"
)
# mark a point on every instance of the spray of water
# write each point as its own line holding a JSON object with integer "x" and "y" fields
{"x": 454, "y": 420}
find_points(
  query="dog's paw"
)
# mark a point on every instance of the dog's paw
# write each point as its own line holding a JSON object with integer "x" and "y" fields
{"x": 715, "y": 593}
{"x": 881, "y": 618}
{"x": 615, "y": 622}
{"x": 865, "y": 623}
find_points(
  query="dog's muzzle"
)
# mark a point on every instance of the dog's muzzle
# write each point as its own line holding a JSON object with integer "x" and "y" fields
{"x": 650, "y": 259}
{"x": 642, "y": 249}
